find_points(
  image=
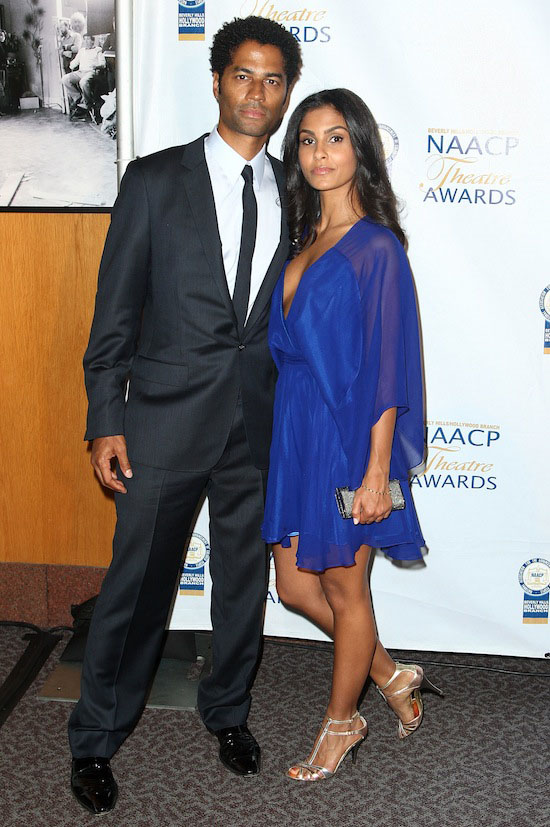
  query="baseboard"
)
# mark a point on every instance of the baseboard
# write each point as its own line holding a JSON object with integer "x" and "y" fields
{"x": 43, "y": 594}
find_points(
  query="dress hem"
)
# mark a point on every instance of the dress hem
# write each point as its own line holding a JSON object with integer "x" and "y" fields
{"x": 336, "y": 556}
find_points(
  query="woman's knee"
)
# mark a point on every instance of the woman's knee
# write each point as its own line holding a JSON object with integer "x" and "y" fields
{"x": 288, "y": 592}
{"x": 341, "y": 596}
{"x": 336, "y": 599}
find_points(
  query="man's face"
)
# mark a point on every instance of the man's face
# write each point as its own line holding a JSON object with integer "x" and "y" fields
{"x": 252, "y": 94}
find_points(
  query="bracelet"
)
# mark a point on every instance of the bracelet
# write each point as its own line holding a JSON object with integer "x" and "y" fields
{"x": 372, "y": 491}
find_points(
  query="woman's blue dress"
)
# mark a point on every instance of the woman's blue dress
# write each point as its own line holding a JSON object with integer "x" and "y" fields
{"x": 348, "y": 350}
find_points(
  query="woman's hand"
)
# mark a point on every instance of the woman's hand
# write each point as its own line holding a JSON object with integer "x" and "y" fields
{"x": 369, "y": 507}
{"x": 372, "y": 502}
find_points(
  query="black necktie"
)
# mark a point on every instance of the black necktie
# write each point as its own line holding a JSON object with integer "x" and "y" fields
{"x": 241, "y": 294}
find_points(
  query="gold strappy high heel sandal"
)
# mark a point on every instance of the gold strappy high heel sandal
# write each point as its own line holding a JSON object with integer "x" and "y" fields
{"x": 418, "y": 682}
{"x": 314, "y": 771}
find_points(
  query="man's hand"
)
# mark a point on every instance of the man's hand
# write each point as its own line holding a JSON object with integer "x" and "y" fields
{"x": 104, "y": 450}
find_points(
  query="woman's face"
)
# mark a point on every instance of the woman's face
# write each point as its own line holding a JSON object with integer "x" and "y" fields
{"x": 325, "y": 152}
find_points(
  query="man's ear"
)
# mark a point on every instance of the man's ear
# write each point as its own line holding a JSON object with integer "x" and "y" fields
{"x": 216, "y": 84}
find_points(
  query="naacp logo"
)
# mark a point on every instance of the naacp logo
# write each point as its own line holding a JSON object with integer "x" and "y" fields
{"x": 534, "y": 579}
{"x": 191, "y": 19}
{"x": 544, "y": 302}
{"x": 460, "y": 455}
{"x": 198, "y": 552}
{"x": 544, "y": 305}
{"x": 390, "y": 144}
{"x": 534, "y": 576}
{"x": 307, "y": 24}
{"x": 192, "y": 573}
{"x": 469, "y": 167}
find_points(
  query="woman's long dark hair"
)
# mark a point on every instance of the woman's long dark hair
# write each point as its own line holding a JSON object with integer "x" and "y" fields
{"x": 371, "y": 182}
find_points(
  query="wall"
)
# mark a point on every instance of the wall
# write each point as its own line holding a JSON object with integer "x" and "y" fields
{"x": 51, "y": 508}
{"x": 15, "y": 24}
{"x": 100, "y": 16}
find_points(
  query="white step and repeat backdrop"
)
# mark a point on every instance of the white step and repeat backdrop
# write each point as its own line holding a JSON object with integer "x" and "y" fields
{"x": 460, "y": 95}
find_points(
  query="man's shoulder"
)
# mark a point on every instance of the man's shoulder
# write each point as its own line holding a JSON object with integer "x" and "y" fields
{"x": 275, "y": 163}
{"x": 278, "y": 172}
{"x": 159, "y": 159}
{"x": 166, "y": 158}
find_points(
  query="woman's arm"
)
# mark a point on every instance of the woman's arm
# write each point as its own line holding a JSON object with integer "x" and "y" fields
{"x": 372, "y": 502}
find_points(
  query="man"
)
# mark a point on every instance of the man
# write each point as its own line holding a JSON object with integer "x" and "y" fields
{"x": 79, "y": 81}
{"x": 196, "y": 244}
{"x": 70, "y": 44}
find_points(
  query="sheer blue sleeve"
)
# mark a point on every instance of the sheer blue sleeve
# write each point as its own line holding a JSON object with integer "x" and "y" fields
{"x": 392, "y": 353}
{"x": 361, "y": 339}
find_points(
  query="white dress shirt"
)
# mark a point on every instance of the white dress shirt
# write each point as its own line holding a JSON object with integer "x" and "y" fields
{"x": 88, "y": 59}
{"x": 225, "y": 166}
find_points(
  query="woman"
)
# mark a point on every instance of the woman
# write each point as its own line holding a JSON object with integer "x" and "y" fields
{"x": 348, "y": 409}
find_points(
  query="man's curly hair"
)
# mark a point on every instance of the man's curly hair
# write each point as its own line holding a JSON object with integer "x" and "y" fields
{"x": 237, "y": 31}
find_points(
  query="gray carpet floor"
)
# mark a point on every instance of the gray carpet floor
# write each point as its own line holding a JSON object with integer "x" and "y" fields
{"x": 480, "y": 759}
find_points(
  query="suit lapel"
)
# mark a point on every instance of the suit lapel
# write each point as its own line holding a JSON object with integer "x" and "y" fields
{"x": 279, "y": 258}
{"x": 198, "y": 187}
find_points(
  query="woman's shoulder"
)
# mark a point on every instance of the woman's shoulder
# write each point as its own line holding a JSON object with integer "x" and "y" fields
{"x": 367, "y": 240}
{"x": 378, "y": 236}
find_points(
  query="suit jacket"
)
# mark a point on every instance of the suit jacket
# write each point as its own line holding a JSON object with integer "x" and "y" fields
{"x": 164, "y": 320}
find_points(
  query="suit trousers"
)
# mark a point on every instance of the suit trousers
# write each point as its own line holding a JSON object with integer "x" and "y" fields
{"x": 126, "y": 632}
{"x": 79, "y": 85}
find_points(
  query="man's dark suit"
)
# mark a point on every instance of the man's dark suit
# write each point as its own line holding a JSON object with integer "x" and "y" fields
{"x": 198, "y": 415}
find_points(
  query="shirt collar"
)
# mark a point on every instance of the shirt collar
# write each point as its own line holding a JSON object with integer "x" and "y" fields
{"x": 230, "y": 163}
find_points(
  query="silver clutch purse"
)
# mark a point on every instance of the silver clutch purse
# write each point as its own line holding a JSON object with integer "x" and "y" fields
{"x": 344, "y": 499}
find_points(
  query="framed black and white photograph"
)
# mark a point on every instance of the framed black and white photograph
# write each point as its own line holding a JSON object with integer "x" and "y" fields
{"x": 57, "y": 104}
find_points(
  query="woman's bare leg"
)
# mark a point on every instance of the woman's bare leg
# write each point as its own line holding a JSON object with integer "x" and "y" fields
{"x": 347, "y": 594}
{"x": 302, "y": 590}
{"x": 317, "y": 596}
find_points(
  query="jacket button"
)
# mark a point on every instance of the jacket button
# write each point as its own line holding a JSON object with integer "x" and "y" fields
{"x": 241, "y": 346}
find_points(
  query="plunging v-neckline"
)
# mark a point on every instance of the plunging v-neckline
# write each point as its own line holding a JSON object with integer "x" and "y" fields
{"x": 306, "y": 269}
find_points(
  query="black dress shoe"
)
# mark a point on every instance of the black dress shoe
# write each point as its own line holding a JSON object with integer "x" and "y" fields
{"x": 239, "y": 750}
{"x": 93, "y": 784}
